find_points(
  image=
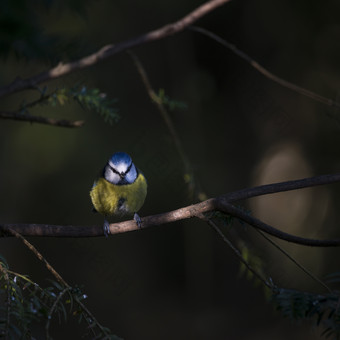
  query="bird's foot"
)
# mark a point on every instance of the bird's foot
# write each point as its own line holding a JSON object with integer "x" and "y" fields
{"x": 138, "y": 220}
{"x": 106, "y": 227}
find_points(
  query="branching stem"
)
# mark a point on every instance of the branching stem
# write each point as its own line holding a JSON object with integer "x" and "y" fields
{"x": 110, "y": 50}
{"x": 222, "y": 203}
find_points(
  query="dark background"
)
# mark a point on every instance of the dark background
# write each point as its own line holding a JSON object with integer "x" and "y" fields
{"x": 240, "y": 129}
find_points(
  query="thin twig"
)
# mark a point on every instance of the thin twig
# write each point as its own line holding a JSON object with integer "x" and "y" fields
{"x": 166, "y": 117}
{"x": 234, "y": 249}
{"x": 154, "y": 97}
{"x": 297, "y": 263}
{"x": 39, "y": 256}
{"x": 41, "y": 120}
{"x": 91, "y": 319}
{"x": 110, "y": 50}
{"x": 264, "y": 71}
{"x": 22, "y": 114}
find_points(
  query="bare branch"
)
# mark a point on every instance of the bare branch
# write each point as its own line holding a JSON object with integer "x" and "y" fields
{"x": 265, "y": 72}
{"x": 221, "y": 203}
{"x": 110, "y": 50}
{"x": 41, "y": 120}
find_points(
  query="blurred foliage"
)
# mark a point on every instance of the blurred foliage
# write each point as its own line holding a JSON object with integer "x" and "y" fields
{"x": 170, "y": 103}
{"x": 322, "y": 309}
{"x": 89, "y": 99}
{"x": 253, "y": 260}
{"x": 23, "y": 303}
{"x": 22, "y": 31}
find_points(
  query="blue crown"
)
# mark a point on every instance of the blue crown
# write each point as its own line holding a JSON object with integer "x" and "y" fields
{"x": 119, "y": 158}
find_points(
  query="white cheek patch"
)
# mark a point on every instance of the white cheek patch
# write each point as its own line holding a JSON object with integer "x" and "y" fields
{"x": 110, "y": 176}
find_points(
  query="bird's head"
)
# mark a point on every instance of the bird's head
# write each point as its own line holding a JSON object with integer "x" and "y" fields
{"x": 120, "y": 169}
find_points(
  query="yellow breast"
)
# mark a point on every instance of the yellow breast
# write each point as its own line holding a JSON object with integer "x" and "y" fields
{"x": 111, "y": 199}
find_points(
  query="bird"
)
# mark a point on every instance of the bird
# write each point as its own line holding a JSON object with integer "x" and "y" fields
{"x": 120, "y": 189}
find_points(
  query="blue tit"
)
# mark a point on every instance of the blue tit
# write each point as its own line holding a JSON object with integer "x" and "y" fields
{"x": 120, "y": 190}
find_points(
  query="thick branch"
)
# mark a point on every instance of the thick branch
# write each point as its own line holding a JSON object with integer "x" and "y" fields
{"x": 221, "y": 203}
{"x": 282, "y": 186}
{"x": 110, "y": 50}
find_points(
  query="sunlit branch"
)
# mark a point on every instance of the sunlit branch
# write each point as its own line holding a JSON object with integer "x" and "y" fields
{"x": 222, "y": 203}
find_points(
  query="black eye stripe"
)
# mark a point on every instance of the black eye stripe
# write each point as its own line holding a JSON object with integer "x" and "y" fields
{"x": 114, "y": 170}
{"x": 118, "y": 173}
